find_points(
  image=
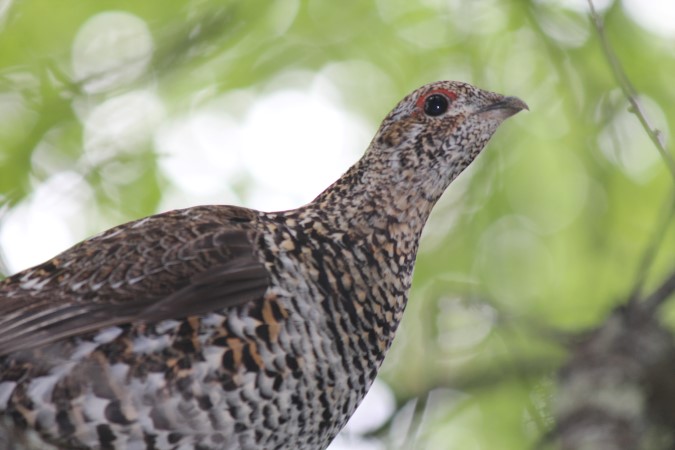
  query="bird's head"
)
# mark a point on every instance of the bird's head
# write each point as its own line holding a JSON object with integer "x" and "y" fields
{"x": 428, "y": 139}
{"x": 437, "y": 130}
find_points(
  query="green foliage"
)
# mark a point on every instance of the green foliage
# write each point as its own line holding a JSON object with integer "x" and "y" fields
{"x": 547, "y": 233}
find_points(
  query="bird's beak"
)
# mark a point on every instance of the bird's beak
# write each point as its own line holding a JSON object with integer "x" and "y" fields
{"x": 506, "y": 107}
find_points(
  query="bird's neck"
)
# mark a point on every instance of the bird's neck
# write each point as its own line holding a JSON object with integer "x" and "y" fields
{"x": 366, "y": 227}
{"x": 362, "y": 234}
{"x": 378, "y": 197}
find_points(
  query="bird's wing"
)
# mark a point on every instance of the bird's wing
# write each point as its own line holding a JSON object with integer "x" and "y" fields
{"x": 172, "y": 265}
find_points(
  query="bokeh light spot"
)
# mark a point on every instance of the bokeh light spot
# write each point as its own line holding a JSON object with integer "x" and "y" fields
{"x": 514, "y": 264}
{"x": 624, "y": 142}
{"x": 121, "y": 124}
{"x": 657, "y": 16}
{"x": 111, "y": 49}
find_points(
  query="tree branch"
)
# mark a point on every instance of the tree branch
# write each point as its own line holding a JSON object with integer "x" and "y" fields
{"x": 652, "y": 249}
{"x": 657, "y": 138}
{"x": 661, "y": 294}
{"x": 631, "y": 94}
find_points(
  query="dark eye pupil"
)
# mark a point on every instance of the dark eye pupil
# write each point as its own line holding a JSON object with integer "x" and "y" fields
{"x": 435, "y": 105}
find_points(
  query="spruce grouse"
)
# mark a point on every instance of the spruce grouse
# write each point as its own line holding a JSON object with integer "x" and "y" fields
{"x": 221, "y": 327}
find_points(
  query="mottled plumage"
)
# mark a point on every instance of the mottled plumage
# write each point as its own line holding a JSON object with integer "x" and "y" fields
{"x": 219, "y": 327}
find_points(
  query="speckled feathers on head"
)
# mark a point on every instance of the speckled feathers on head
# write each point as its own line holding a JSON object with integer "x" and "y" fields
{"x": 426, "y": 141}
{"x": 459, "y": 110}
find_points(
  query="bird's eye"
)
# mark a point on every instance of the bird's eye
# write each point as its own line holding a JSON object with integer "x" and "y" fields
{"x": 435, "y": 105}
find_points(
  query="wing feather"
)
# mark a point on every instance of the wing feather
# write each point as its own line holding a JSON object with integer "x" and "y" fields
{"x": 169, "y": 266}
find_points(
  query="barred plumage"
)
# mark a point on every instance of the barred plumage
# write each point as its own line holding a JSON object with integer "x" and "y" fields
{"x": 219, "y": 327}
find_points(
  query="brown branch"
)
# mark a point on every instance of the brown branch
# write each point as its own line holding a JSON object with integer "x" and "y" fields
{"x": 661, "y": 294}
{"x": 617, "y": 389}
{"x": 657, "y": 138}
{"x": 652, "y": 249}
{"x": 631, "y": 94}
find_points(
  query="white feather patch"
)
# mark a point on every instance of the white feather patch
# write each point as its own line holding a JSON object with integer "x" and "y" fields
{"x": 107, "y": 335}
{"x": 6, "y": 389}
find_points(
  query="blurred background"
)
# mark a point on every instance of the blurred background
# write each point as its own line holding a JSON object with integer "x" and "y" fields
{"x": 113, "y": 110}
